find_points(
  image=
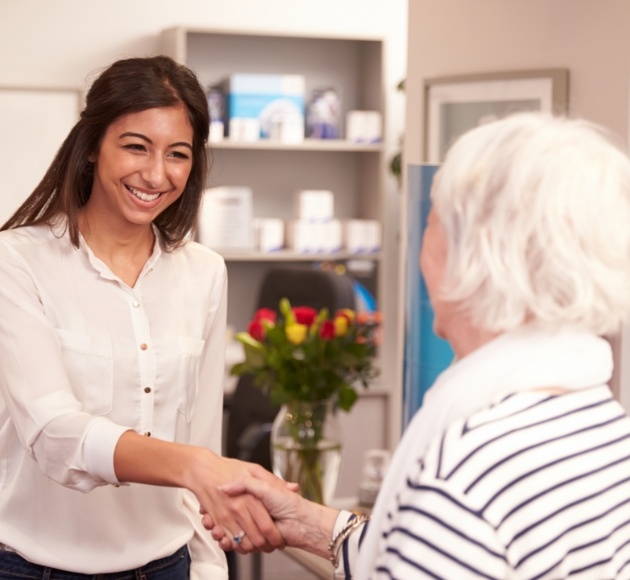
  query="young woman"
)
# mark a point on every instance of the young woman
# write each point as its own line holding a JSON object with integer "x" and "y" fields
{"x": 112, "y": 330}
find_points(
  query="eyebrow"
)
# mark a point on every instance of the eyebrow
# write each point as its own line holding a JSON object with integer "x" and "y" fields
{"x": 145, "y": 138}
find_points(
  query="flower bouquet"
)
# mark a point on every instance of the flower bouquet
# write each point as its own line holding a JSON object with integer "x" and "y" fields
{"x": 310, "y": 363}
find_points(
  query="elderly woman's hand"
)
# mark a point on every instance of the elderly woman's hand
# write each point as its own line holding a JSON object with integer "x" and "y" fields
{"x": 245, "y": 524}
{"x": 237, "y": 492}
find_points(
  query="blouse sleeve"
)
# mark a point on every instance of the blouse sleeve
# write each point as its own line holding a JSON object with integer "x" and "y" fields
{"x": 35, "y": 387}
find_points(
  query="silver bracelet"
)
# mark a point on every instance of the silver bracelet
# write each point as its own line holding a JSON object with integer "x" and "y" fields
{"x": 335, "y": 544}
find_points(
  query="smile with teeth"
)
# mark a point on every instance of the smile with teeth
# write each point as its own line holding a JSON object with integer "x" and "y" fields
{"x": 141, "y": 195}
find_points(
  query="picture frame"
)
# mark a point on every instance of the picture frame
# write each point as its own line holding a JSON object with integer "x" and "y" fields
{"x": 456, "y": 104}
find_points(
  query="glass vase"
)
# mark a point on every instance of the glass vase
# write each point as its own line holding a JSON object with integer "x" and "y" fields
{"x": 306, "y": 448}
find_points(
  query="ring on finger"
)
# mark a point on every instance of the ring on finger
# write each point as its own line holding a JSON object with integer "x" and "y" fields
{"x": 238, "y": 537}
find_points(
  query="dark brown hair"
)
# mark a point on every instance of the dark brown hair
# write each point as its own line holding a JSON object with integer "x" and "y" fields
{"x": 127, "y": 86}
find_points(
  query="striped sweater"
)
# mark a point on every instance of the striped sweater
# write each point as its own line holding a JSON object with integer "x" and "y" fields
{"x": 536, "y": 486}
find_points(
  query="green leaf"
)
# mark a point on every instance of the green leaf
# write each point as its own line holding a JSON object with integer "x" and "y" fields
{"x": 287, "y": 313}
{"x": 240, "y": 369}
{"x": 248, "y": 340}
{"x": 254, "y": 356}
{"x": 347, "y": 397}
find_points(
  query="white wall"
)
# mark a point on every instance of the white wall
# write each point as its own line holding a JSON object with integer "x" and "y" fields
{"x": 60, "y": 42}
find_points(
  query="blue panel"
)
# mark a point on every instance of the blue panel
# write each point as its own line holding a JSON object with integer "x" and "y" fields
{"x": 426, "y": 355}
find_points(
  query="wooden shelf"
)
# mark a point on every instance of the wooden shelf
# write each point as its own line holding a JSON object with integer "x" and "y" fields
{"x": 289, "y": 256}
{"x": 321, "y": 145}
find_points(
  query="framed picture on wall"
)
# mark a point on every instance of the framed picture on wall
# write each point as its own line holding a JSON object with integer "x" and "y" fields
{"x": 456, "y": 104}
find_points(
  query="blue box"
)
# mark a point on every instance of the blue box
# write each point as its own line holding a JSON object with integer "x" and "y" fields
{"x": 277, "y": 102}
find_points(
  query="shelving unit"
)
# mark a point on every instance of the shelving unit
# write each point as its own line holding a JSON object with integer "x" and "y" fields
{"x": 355, "y": 173}
{"x": 276, "y": 170}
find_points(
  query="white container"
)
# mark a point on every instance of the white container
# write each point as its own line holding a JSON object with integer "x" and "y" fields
{"x": 355, "y": 236}
{"x": 362, "y": 236}
{"x": 364, "y": 126}
{"x": 315, "y": 237}
{"x": 374, "y": 235}
{"x": 225, "y": 219}
{"x": 269, "y": 234}
{"x": 315, "y": 205}
{"x": 302, "y": 237}
{"x": 375, "y": 465}
{"x": 330, "y": 236}
{"x": 244, "y": 130}
{"x": 217, "y": 130}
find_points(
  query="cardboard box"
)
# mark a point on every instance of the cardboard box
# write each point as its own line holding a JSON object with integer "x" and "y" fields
{"x": 277, "y": 102}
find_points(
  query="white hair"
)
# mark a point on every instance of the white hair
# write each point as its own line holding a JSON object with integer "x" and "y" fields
{"x": 536, "y": 214}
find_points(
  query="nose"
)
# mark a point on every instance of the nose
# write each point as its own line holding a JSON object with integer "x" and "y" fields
{"x": 154, "y": 171}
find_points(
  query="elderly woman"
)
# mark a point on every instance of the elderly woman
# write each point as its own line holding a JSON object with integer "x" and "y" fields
{"x": 518, "y": 464}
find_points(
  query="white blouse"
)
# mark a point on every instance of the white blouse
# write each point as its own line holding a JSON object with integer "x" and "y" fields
{"x": 83, "y": 358}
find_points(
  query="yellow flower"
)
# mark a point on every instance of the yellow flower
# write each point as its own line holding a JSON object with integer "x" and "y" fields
{"x": 350, "y": 314}
{"x": 296, "y": 333}
{"x": 341, "y": 325}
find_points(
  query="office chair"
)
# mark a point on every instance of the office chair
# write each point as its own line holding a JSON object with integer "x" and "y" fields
{"x": 251, "y": 413}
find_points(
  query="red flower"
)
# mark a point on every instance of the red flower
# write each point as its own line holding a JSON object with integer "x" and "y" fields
{"x": 304, "y": 315}
{"x": 265, "y": 314}
{"x": 327, "y": 330}
{"x": 256, "y": 330}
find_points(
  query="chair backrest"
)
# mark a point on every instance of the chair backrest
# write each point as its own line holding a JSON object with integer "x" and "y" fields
{"x": 250, "y": 411}
{"x": 315, "y": 288}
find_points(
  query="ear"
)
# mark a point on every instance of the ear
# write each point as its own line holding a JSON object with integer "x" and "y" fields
{"x": 92, "y": 157}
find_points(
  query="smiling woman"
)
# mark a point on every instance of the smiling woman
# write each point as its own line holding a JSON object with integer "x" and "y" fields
{"x": 112, "y": 329}
{"x": 140, "y": 169}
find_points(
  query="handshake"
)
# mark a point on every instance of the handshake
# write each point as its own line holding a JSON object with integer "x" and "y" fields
{"x": 259, "y": 512}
